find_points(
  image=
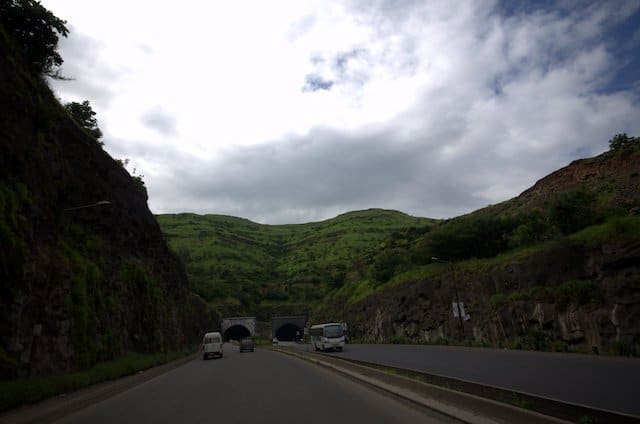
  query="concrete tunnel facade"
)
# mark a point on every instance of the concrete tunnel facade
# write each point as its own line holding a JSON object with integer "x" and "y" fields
{"x": 288, "y": 328}
{"x": 236, "y": 328}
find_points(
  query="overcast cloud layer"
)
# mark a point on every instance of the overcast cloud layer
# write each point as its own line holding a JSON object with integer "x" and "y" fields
{"x": 295, "y": 111}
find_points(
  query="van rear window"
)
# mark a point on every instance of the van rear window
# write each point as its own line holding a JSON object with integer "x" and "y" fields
{"x": 213, "y": 339}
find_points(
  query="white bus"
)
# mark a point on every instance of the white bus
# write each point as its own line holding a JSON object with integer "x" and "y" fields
{"x": 327, "y": 336}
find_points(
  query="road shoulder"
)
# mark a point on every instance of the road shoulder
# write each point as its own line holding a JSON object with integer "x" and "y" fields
{"x": 59, "y": 406}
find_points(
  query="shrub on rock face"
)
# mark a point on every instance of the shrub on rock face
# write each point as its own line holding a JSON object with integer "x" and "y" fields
{"x": 578, "y": 293}
{"x": 84, "y": 115}
{"x": 619, "y": 141}
{"x": 533, "y": 228}
{"x": 472, "y": 236}
{"x": 397, "y": 339}
{"x": 573, "y": 211}
{"x": 139, "y": 182}
{"x": 36, "y": 30}
{"x": 387, "y": 264}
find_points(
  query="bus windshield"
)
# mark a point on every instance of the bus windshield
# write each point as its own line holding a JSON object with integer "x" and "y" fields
{"x": 333, "y": 331}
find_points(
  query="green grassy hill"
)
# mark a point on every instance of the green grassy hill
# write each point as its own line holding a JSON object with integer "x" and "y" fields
{"x": 233, "y": 261}
{"x": 552, "y": 269}
{"x": 336, "y": 267}
{"x": 594, "y": 201}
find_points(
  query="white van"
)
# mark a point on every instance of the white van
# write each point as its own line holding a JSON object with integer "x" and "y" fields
{"x": 212, "y": 345}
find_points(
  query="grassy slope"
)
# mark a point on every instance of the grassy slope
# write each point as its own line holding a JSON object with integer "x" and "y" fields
{"x": 614, "y": 193}
{"x": 233, "y": 260}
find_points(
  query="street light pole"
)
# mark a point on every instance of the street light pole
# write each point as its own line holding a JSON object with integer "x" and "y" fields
{"x": 455, "y": 292}
{"x": 100, "y": 203}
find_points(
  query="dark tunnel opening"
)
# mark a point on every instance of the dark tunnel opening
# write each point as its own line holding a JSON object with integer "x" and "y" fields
{"x": 288, "y": 333}
{"x": 236, "y": 332}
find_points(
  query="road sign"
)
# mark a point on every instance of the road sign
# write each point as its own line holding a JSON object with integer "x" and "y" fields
{"x": 465, "y": 315}
{"x": 458, "y": 309}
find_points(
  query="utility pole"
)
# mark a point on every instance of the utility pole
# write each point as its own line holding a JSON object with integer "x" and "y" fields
{"x": 455, "y": 292}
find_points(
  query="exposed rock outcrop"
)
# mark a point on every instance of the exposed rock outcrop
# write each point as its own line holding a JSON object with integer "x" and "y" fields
{"x": 422, "y": 312}
{"x": 579, "y": 292}
{"x": 77, "y": 284}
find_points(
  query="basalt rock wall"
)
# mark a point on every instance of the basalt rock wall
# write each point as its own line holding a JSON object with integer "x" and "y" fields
{"x": 422, "y": 311}
{"x": 78, "y": 283}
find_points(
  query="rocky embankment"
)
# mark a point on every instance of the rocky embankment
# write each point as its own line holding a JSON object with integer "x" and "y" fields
{"x": 422, "y": 311}
{"x": 570, "y": 292}
{"x": 78, "y": 284}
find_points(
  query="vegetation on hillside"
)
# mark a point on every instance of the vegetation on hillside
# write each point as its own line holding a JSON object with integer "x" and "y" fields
{"x": 341, "y": 261}
{"x": 231, "y": 260}
{"x": 557, "y": 215}
{"x": 74, "y": 292}
{"x": 84, "y": 115}
{"x": 36, "y": 31}
{"x": 620, "y": 141}
{"x": 13, "y": 196}
{"x": 236, "y": 261}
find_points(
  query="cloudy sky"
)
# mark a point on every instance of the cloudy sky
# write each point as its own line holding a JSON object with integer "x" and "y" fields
{"x": 296, "y": 111}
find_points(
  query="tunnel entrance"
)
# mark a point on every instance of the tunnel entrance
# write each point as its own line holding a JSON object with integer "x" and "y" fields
{"x": 289, "y": 333}
{"x": 236, "y": 332}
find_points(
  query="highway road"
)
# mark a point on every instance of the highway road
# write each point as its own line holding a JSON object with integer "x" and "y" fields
{"x": 252, "y": 387}
{"x": 597, "y": 381}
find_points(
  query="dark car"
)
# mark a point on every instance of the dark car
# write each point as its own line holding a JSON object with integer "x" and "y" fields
{"x": 246, "y": 344}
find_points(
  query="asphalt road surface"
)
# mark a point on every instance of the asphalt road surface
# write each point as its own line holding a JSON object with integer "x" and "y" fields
{"x": 252, "y": 387}
{"x": 611, "y": 383}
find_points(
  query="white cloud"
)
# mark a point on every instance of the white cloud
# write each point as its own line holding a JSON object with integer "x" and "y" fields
{"x": 160, "y": 120}
{"x": 432, "y": 109}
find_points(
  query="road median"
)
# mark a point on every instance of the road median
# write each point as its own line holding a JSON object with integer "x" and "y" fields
{"x": 463, "y": 400}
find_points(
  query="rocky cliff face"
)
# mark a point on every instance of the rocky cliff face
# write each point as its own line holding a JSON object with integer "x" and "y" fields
{"x": 422, "y": 311}
{"x": 77, "y": 285}
{"x": 569, "y": 294}
{"x": 616, "y": 175}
